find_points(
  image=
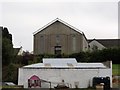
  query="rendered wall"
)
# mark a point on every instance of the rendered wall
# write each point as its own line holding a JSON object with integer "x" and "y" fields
{"x": 48, "y": 41}
{"x": 82, "y": 76}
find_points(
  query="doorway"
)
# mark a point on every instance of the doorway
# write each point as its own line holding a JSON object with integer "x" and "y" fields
{"x": 57, "y": 50}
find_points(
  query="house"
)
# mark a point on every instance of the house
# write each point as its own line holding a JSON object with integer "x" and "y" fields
{"x": 103, "y": 43}
{"x": 63, "y": 71}
{"x": 17, "y": 51}
{"x": 59, "y": 37}
{"x": 95, "y": 45}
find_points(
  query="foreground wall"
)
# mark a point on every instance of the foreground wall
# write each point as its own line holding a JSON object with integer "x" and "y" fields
{"x": 80, "y": 77}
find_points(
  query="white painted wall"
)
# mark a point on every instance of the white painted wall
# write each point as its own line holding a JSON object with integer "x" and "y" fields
{"x": 20, "y": 51}
{"x": 82, "y": 76}
{"x": 96, "y": 43}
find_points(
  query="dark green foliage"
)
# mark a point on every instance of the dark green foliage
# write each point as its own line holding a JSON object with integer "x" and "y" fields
{"x": 94, "y": 56}
{"x": 80, "y": 57}
{"x": 8, "y": 69}
{"x": 107, "y": 54}
{"x": 98, "y": 55}
{"x": 111, "y": 54}
{"x": 25, "y": 58}
{"x": 6, "y": 34}
{"x": 7, "y": 47}
{"x": 10, "y": 73}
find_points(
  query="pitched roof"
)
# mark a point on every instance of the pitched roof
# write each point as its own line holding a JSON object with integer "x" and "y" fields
{"x": 55, "y": 20}
{"x": 16, "y": 50}
{"x": 108, "y": 42}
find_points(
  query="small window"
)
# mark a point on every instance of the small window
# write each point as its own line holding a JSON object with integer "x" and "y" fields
{"x": 73, "y": 43}
{"x": 42, "y": 44}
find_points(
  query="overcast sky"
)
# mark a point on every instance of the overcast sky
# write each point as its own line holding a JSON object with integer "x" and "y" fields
{"x": 96, "y": 19}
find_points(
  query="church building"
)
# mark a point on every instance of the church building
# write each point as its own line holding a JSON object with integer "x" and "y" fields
{"x": 59, "y": 37}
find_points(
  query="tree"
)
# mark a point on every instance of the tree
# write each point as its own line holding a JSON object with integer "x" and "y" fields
{"x": 98, "y": 55}
{"x": 27, "y": 58}
{"x": 7, "y": 47}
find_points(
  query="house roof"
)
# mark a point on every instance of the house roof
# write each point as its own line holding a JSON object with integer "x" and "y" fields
{"x": 55, "y": 20}
{"x": 16, "y": 50}
{"x": 64, "y": 63}
{"x": 108, "y": 42}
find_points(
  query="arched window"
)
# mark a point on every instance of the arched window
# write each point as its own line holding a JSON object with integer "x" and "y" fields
{"x": 73, "y": 43}
{"x": 57, "y": 39}
{"x": 42, "y": 44}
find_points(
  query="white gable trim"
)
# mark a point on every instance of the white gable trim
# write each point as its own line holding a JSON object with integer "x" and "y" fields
{"x": 57, "y": 19}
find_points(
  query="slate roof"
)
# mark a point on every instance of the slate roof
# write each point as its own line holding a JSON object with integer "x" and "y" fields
{"x": 109, "y": 43}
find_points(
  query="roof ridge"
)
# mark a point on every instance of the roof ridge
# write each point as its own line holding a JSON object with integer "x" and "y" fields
{"x": 57, "y": 19}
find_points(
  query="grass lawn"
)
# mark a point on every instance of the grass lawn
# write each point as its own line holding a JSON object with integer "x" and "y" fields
{"x": 116, "y": 69}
